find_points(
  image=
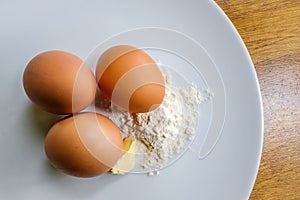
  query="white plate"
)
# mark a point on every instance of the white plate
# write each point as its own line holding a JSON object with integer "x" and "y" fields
{"x": 30, "y": 27}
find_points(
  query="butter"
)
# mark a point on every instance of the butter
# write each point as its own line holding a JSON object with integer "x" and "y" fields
{"x": 127, "y": 161}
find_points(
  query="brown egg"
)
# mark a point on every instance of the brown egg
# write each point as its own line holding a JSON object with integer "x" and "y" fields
{"x": 84, "y": 145}
{"x": 130, "y": 79}
{"x": 59, "y": 82}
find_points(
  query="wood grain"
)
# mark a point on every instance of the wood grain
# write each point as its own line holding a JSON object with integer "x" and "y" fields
{"x": 271, "y": 32}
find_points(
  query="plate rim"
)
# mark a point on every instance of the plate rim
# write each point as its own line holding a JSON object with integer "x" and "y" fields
{"x": 254, "y": 74}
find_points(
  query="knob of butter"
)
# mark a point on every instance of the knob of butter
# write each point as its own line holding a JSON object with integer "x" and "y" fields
{"x": 127, "y": 161}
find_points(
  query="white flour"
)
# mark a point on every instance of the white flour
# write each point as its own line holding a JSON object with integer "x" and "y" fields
{"x": 165, "y": 131}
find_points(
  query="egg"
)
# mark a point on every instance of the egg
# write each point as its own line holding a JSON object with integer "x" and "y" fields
{"x": 84, "y": 145}
{"x": 130, "y": 78}
{"x": 59, "y": 82}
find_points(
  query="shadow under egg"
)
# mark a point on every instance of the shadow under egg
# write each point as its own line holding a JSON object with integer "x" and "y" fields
{"x": 41, "y": 119}
{"x": 76, "y": 187}
{"x": 101, "y": 102}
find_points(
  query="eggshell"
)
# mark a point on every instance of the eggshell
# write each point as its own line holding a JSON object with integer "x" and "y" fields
{"x": 59, "y": 82}
{"x": 130, "y": 79}
{"x": 84, "y": 145}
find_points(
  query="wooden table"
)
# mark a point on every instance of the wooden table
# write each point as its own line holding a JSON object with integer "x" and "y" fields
{"x": 271, "y": 32}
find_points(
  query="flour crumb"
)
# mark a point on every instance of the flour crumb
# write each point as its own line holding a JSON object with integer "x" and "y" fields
{"x": 150, "y": 173}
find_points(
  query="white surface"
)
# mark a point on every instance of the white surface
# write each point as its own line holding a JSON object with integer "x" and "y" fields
{"x": 29, "y": 27}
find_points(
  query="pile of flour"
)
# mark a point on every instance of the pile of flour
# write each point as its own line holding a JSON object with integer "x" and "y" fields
{"x": 165, "y": 131}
